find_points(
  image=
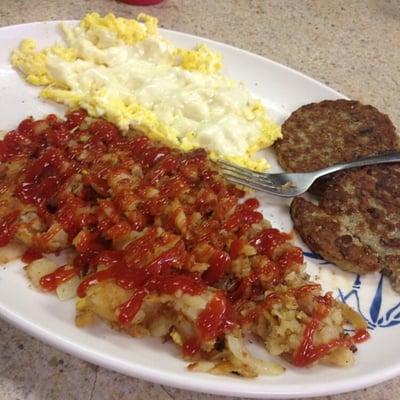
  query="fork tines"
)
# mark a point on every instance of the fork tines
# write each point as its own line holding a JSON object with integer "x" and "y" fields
{"x": 243, "y": 176}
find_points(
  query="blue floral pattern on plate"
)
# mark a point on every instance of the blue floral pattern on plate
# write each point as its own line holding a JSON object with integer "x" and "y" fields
{"x": 373, "y": 311}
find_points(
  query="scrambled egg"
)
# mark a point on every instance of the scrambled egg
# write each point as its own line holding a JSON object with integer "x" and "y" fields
{"x": 125, "y": 71}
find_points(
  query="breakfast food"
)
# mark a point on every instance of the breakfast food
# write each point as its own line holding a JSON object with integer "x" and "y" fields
{"x": 325, "y": 235}
{"x": 319, "y": 135}
{"x": 125, "y": 71}
{"x": 356, "y": 222}
{"x": 162, "y": 245}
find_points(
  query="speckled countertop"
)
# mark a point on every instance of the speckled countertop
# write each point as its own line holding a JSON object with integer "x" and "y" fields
{"x": 350, "y": 45}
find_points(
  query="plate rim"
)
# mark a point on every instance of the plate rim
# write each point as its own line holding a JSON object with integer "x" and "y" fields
{"x": 143, "y": 372}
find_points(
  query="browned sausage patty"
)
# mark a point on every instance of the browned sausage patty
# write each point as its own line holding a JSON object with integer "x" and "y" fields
{"x": 318, "y": 135}
{"x": 325, "y": 235}
{"x": 357, "y": 222}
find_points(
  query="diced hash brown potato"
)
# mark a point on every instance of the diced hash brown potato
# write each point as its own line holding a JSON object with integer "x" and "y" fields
{"x": 163, "y": 246}
{"x": 38, "y": 269}
{"x": 11, "y": 252}
{"x": 104, "y": 299}
{"x": 67, "y": 290}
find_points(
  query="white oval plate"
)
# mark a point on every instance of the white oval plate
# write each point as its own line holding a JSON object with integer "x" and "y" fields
{"x": 52, "y": 321}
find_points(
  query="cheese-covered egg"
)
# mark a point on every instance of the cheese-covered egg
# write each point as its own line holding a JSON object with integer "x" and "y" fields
{"x": 125, "y": 71}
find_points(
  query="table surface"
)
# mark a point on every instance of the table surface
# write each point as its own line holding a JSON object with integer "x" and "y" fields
{"x": 351, "y": 45}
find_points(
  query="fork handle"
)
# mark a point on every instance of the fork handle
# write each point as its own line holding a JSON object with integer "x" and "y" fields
{"x": 362, "y": 162}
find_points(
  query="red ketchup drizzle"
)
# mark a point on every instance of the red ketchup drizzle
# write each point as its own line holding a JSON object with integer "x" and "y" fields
{"x": 120, "y": 229}
{"x": 156, "y": 155}
{"x": 94, "y": 279}
{"x": 305, "y": 290}
{"x": 7, "y": 227}
{"x": 273, "y": 273}
{"x": 285, "y": 261}
{"x": 138, "y": 144}
{"x": 242, "y": 218}
{"x": 126, "y": 277}
{"x": 174, "y": 187}
{"x": 109, "y": 257}
{"x": 103, "y": 132}
{"x": 308, "y": 352}
{"x": 215, "y": 319}
{"x": 163, "y": 284}
{"x": 191, "y": 346}
{"x": 71, "y": 220}
{"x": 51, "y": 119}
{"x": 112, "y": 258}
{"x": 97, "y": 180}
{"x": 51, "y": 281}
{"x": 251, "y": 204}
{"x": 133, "y": 278}
{"x": 25, "y": 128}
{"x": 140, "y": 247}
{"x": 9, "y": 146}
{"x": 155, "y": 206}
{"x": 146, "y": 277}
{"x": 236, "y": 247}
{"x": 88, "y": 247}
{"x": 17, "y": 142}
{"x": 219, "y": 263}
{"x": 170, "y": 284}
{"x": 128, "y": 310}
{"x": 31, "y": 254}
{"x": 268, "y": 240}
{"x": 58, "y": 135}
{"x": 149, "y": 278}
{"x": 75, "y": 118}
{"x": 174, "y": 257}
{"x": 42, "y": 178}
{"x": 290, "y": 257}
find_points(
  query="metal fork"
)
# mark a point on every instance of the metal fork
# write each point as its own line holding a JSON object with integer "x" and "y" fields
{"x": 293, "y": 184}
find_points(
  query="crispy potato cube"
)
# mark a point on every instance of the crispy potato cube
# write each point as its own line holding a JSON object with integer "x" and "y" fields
{"x": 38, "y": 269}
